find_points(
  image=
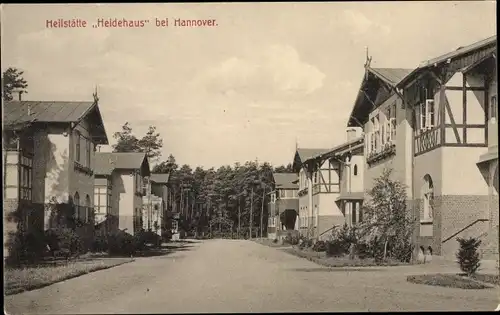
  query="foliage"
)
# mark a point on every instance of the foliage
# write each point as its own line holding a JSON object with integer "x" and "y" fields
{"x": 468, "y": 255}
{"x": 151, "y": 143}
{"x": 166, "y": 167}
{"x": 319, "y": 246}
{"x": 284, "y": 169}
{"x": 25, "y": 248}
{"x": 64, "y": 239}
{"x": 12, "y": 79}
{"x": 345, "y": 236}
{"x": 335, "y": 248}
{"x": 446, "y": 280}
{"x": 121, "y": 244}
{"x": 305, "y": 242}
{"x": 387, "y": 223}
{"x": 275, "y": 241}
{"x": 291, "y": 239}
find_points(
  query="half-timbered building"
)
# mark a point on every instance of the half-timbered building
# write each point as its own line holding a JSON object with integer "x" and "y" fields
{"x": 452, "y": 99}
{"x": 431, "y": 126}
{"x": 330, "y": 186}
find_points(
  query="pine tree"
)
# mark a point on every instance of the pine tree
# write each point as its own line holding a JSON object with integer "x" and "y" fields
{"x": 468, "y": 255}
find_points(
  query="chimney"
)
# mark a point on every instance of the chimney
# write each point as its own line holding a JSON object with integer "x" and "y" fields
{"x": 353, "y": 133}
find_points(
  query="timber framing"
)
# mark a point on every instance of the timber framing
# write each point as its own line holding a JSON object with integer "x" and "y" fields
{"x": 437, "y": 73}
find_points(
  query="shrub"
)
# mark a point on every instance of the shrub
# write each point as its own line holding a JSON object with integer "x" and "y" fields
{"x": 335, "y": 248}
{"x": 25, "y": 248}
{"x": 100, "y": 243}
{"x": 275, "y": 241}
{"x": 363, "y": 251}
{"x": 121, "y": 243}
{"x": 64, "y": 239}
{"x": 468, "y": 255}
{"x": 291, "y": 239}
{"x": 345, "y": 237}
{"x": 319, "y": 246}
{"x": 305, "y": 242}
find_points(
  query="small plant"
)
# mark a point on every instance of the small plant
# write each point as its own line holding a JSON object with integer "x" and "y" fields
{"x": 275, "y": 241}
{"x": 319, "y": 246}
{"x": 468, "y": 255}
{"x": 335, "y": 248}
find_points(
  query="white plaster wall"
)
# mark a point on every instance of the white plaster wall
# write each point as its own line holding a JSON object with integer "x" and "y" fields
{"x": 460, "y": 175}
{"x": 327, "y": 205}
{"x": 56, "y": 154}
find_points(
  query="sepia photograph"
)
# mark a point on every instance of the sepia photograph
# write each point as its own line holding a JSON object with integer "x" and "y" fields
{"x": 250, "y": 157}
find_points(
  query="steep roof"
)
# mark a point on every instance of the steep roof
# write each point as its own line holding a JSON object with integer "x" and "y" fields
{"x": 304, "y": 154}
{"x": 160, "y": 178}
{"x": 461, "y": 51}
{"x": 391, "y": 75}
{"x": 370, "y": 88}
{"x": 20, "y": 114}
{"x": 106, "y": 162}
{"x": 285, "y": 180}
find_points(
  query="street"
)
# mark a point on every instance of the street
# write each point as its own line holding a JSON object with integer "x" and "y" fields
{"x": 216, "y": 276}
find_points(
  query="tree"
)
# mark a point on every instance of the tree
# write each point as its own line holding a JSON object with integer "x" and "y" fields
{"x": 284, "y": 169}
{"x": 387, "y": 221}
{"x": 468, "y": 255}
{"x": 150, "y": 144}
{"x": 166, "y": 167}
{"x": 12, "y": 79}
{"x": 126, "y": 141}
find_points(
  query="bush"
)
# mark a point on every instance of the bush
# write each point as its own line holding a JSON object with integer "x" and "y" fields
{"x": 291, "y": 239}
{"x": 468, "y": 255}
{"x": 275, "y": 241}
{"x": 319, "y": 246}
{"x": 363, "y": 251}
{"x": 121, "y": 243}
{"x": 305, "y": 242}
{"x": 335, "y": 248}
{"x": 64, "y": 239}
{"x": 100, "y": 243}
{"x": 26, "y": 248}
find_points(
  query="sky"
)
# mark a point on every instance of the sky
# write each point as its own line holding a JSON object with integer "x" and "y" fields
{"x": 267, "y": 77}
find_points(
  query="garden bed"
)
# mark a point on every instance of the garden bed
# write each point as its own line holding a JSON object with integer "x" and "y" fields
{"x": 450, "y": 281}
{"x": 270, "y": 243}
{"x": 29, "y": 278}
{"x": 344, "y": 261}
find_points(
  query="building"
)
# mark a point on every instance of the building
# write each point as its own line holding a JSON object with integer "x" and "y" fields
{"x": 122, "y": 176}
{"x": 49, "y": 165}
{"x": 429, "y": 125}
{"x": 331, "y": 183}
{"x": 283, "y": 206}
{"x": 160, "y": 186}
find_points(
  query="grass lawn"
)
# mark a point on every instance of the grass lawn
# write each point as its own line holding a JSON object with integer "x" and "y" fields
{"x": 447, "y": 280}
{"x": 488, "y": 278}
{"x": 30, "y": 278}
{"x": 322, "y": 259}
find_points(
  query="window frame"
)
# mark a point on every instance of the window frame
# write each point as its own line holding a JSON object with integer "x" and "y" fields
{"x": 493, "y": 111}
{"x": 78, "y": 146}
{"x": 25, "y": 174}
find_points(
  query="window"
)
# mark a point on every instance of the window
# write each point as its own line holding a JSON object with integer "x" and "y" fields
{"x": 76, "y": 201}
{"x": 376, "y": 134}
{"x": 88, "y": 213}
{"x": 427, "y": 117}
{"x": 355, "y": 169}
{"x": 101, "y": 199}
{"x": 25, "y": 177}
{"x": 77, "y": 146}
{"x": 138, "y": 182}
{"x": 493, "y": 107}
{"x": 174, "y": 226}
{"x": 145, "y": 186}
{"x": 428, "y": 196}
{"x": 315, "y": 177}
{"x": 273, "y": 197}
{"x": 88, "y": 152}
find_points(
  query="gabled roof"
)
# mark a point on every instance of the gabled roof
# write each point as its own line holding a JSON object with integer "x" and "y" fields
{"x": 107, "y": 162}
{"x": 461, "y": 51}
{"x": 343, "y": 148}
{"x": 285, "y": 180}
{"x": 392, "y": 76}
{"x": 304, "y": 154}
{"x": 372, "y": 82}
{"x": 160, "y": 178}
{"x": 19, "y": 114}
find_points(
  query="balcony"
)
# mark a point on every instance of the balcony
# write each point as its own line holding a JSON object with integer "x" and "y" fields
{"x": 387, "y": 150}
